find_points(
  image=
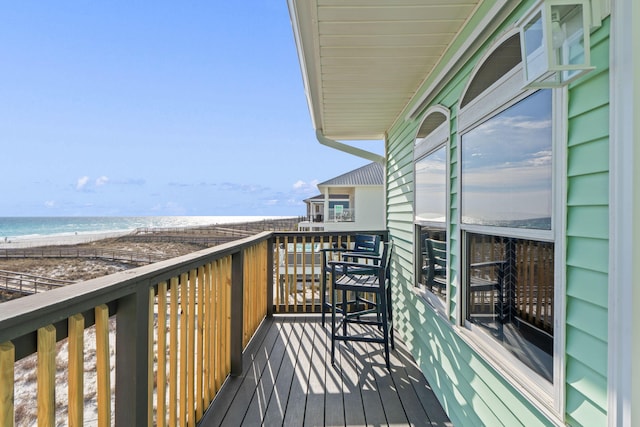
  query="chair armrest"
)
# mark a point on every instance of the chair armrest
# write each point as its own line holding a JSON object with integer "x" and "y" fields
{"x": 365, "y": 255}
{"x": 487, "y": 264}
{"x": 353, "y": 267}
{"x": 334, "y": 250}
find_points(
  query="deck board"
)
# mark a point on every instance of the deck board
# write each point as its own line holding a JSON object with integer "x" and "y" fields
{"x": 288, "y": 380}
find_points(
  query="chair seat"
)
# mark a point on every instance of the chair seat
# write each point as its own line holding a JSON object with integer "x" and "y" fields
{"x": 357, "y": 283}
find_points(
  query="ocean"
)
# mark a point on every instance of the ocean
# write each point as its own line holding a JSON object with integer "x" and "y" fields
{"x": 34, "y": 227}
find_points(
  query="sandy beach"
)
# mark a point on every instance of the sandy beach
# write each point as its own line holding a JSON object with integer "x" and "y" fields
{"x": 70, "y": 239}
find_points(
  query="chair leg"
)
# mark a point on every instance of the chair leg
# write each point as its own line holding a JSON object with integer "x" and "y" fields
{"x": 323, "y": 294}
{"x": 333, "y": 327}
{"x": 385, "y": 328}
{"x": 344, "y": 313}
{"x": 390, "y": 317}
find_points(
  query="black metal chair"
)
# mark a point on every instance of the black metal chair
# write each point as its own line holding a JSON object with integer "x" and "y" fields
{"x": 363, "y": 278}
{"x": 363, "y": 244}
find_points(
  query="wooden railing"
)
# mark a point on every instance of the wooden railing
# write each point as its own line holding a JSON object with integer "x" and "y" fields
{"x": 181, "y": 326}
{"x": 180, "y": 329}
{"x": 299, "y": 267}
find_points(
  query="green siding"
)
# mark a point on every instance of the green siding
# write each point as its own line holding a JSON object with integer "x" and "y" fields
{"x": 587, "y": 247}
{"x": 470, "y": 390}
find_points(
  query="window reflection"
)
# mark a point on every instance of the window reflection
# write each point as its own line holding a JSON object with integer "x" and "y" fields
{"x": 510, "y": 294}
{"x": 507, "y": 167}
{"x": 432, "y": 247}
{"x": 431, "y": 182}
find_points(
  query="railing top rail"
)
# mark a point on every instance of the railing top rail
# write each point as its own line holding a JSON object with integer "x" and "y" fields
{"x": 24, "y": 315}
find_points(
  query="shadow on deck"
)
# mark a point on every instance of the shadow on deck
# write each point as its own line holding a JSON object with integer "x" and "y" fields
{"x": 288, "y": 380}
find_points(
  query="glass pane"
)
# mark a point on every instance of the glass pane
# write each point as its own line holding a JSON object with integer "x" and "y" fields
{"x": 510, "y": 291}
{"x": 432, "y": 260}
{"x": 568, "y": 37}
{"x": 535, "y": 58}
{"x": 431, "y": 184}
{"x": 507, "y": 167}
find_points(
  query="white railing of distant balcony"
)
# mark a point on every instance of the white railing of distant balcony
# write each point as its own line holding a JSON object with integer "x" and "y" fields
{"x": 344, "y": 215}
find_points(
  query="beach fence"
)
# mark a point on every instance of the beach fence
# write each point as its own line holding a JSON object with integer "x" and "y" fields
{"x": 140, "y": 257}
{"x": 27, "y": 284}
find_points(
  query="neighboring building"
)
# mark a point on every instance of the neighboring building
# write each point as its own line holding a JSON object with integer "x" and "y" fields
{"x": 511, "y": 194}
{"x": 352, "y": 201}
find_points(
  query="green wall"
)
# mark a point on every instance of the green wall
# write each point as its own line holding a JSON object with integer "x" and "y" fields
{"x": 470, "y": 390}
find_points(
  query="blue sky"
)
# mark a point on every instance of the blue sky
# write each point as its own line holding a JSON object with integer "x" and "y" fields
{"x": 155, "y": 108}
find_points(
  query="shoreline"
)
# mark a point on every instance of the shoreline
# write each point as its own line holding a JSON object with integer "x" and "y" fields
{"x": 31, "y": 241}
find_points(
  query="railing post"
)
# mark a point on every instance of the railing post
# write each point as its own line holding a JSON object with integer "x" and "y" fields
{"x": 237, "y": 311}
{"x": 270, "y": 273}
{"x": 132, "y": 359}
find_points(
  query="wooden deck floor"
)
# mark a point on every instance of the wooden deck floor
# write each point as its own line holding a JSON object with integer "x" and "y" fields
{"x": 288, "y": 380}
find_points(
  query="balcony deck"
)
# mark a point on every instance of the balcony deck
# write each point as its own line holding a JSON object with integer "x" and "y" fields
{"x": 288, "y": 380}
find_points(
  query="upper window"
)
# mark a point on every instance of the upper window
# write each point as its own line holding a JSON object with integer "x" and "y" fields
{"x": 430, "y": 175}
{"x": 431, "y": 180}
{"x": 506, "y": 167}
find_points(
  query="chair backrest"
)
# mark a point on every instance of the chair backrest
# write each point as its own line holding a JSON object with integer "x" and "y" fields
{"x": 436, "y": 258}
{"x": 369, "y": 243}
{"x": 385, "y": 259}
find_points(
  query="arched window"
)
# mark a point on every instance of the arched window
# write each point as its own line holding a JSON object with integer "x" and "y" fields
{"x": 507, "y": 192}
{"x": 430, "y": 208}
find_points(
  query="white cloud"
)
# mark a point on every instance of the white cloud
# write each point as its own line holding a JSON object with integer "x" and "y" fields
{"x": 303, "y": 187}
{"x": 50, "y": 203}
{"x": 102, "y": 180}
{"x": 82, "y": 182}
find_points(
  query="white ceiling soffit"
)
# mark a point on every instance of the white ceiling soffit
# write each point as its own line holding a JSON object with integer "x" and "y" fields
{"x": 363, "y": 60}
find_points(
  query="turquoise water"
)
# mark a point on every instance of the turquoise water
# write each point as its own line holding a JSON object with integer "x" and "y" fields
{"x": 20, "y": 227}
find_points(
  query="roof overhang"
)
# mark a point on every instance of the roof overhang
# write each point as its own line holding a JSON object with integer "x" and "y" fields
{"x": 363, "y": 60}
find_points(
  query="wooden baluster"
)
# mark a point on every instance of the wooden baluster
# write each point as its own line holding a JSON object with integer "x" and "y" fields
{"x": 161, "y": 380}
{"x": 46, "y": 376}
{"x": 7, "y": 369}
{"x": 103, "y": 373}
{"x": 207, "y": 335}
{"x": 191, "y": 354}
{"x": 76, "y": 370}
{"x": 184, "y": 309}
{"x": 200, "y": 346}
{"x": 173, "y": 352}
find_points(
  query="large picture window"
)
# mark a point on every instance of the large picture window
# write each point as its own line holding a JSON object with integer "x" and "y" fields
{"x": 508, "y": 221}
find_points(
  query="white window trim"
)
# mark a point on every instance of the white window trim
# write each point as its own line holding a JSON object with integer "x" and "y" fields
{"x": 436, "y": 139}
{"x": 623, "y": 335}
{"x": 548, "y": 398}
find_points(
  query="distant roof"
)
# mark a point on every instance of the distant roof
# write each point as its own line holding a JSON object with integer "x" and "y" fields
{"x": 320, "y": 197}
{"x": 371, "y": 174}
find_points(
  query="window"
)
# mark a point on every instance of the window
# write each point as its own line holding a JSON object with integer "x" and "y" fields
{"x": 506, "y": 167}
{"x": 508, "y": 222}
{"x": 430, "y": 175}
{"x": 510, "y": 289}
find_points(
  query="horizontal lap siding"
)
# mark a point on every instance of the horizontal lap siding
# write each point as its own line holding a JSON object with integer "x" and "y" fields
{"x": 470, "y": 390}
{"x": 587, "y": 244}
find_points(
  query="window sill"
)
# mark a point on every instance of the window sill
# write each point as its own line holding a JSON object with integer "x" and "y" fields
{"x": 538, "y": 391}
{"x": 432, "y": 301}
